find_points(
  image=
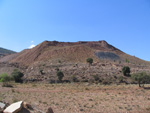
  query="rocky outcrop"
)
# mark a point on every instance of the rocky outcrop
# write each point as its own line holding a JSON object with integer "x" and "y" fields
{"x": 14, "y": 108}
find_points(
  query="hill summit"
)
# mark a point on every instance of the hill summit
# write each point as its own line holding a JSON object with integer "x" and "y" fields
{"x": 77, "y": 52}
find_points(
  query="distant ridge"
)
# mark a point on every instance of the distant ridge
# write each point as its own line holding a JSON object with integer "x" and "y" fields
{"x": 4, "y": 51}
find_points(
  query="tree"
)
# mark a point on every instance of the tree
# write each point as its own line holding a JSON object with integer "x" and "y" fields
{"x": 89, "y": 60}
{"x": 17, "y": 75}
{"x": 141, "y": 78}
{"x": 60, "y": 75}
{"x": 126, "y": 71}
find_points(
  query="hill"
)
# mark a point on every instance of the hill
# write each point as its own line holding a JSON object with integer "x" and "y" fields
{"x": 53, "y": 51}
{"x": 40, "y": 63}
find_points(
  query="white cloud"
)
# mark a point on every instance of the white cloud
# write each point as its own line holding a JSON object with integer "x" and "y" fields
{"x": 32, "y": 41}
{"x": 32, "y": 46}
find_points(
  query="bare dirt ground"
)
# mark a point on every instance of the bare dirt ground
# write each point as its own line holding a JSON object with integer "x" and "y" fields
{"x": 80, "y": 98}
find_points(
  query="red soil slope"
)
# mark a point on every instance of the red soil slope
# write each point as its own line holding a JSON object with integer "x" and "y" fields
{"x": 53, "y": 51}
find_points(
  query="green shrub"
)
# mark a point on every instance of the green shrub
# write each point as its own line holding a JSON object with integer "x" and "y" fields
{"x": 126, "y": 71}
{"x": 17, "y": 75}
{"x": 60, "y": 75}
{"x": 5, "y": 79}
{"x": 141, "y": 78}
{"x": 2, "y": 77}
{"x": 89, "y": 60}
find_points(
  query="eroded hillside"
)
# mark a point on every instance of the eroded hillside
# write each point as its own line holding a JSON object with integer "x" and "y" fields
{"x": 40, "y": 63}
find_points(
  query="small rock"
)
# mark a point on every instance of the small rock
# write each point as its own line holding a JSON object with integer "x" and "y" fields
{"x": 2, "y": 105}
{"x": 50, "y": 110}
{"x": 14, "y": 108}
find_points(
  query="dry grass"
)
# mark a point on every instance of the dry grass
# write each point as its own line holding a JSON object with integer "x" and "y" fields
{"x": 80, "y": 98}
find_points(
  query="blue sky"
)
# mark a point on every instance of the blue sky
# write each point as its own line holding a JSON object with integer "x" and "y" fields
{"x": 124, "y": 24}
